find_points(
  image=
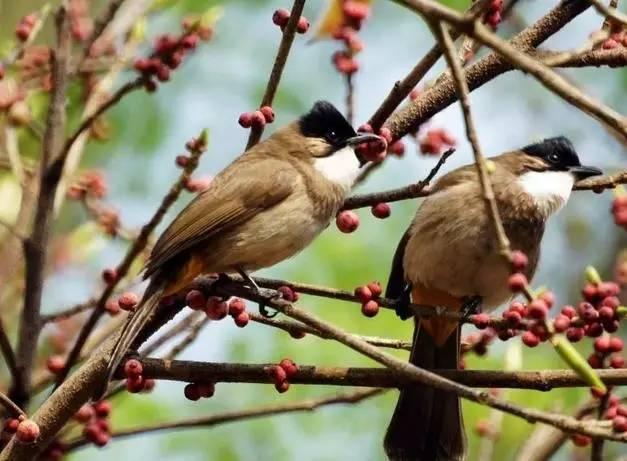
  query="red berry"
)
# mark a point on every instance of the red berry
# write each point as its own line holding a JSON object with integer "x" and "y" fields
{"x": 610, "y": 301}
{"x": 513, "y": 317}
{"x": 268, "y": 113}
{"x": 163, "y": 74}
{"x": 517, "y": 282}
{"x": 616, "y": 344}
{"x": 595, "y": 361}
{"x": 109, "y": 275}
{"x": 537, "y": 309}
{"x": 481, "y": 321}
{"x": 190, "y": 41}
{"x": 192, "y": 392}
{"x": 397, "y": 148}
{"x": 606, "y": 314}
{"x": 611, "y": 327}
{"x": 297, "y": 334}
{"x": 303, "y": 25}
{"x": 381, "y": 210}
{"x": 245, "y": 119}
{"x": 236, "y": 307}
{"x": 347, "y": 221}
{"x": 357, "y": 11}
{"x": 607, "y": 289}
{"x": 619, "y": 424}
{"x": 55, "y": 364}
{"x": 365, "y": 128}
{"x": 593, "y": 330}
{"x": 386, "y": 134}
{"x": 241, "y": 320}
{"x": 561, "y": 323}
{"x": 10, "y": 425}
{"x": 569, "y": 311}
{"x": 282, "y": 387}
{"x": 257, "y": 119}
{"x": 609, "y": 44}
{"x": 135, "y": 385}
{"x": 149, "y": 385}
{"x": 288, "y": 294}
{"x": 103, "y": 425}
{"x": 589, "y": 292}
{"x": 23, "y": 31}
{"x": 574, "y": 334}
{"x": 128, "y": 301}
{"x": 84, "y": 413}
{"x": 280, "y": 17}
{"x": 206, "y": 390}
{"x": 617, "y": 361}
{"x": 610, "y": 413}
{"x": 133, "y": 368}
{"x": 529, "y": 339}
{"x": 375, "y": 289}
{"x": 216, "y": 309}
{"x": 196, "y": 299}
{"x": 27, "y": 431}
{"x": 363, "y": 293}
{"x": 519, "y": 261}
{"x": 370, "y": 308}
{"x": 289, "y": 366}
{"x": 103, "y": 408}
{"x": 102, "y": 438}
{"x": 581, "y": 440}
{"x": 278, "y": 374}
{"x": 621, "y": 410}
{"x": 549, "y": 298}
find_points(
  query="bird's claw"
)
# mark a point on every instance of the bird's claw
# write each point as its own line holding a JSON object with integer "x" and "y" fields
{"x": 470, "y": 305}
{"x": 401, "y": 306}
{"x": 267, "y": 295}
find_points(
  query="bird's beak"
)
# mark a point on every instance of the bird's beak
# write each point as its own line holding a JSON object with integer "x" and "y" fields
{"x": 362, "y": 138}
{"x": 583, "y": 172}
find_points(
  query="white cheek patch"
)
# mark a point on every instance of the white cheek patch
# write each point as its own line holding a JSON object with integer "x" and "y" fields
{"x": 341, "y": 167}
{"x": 550, "y": 189}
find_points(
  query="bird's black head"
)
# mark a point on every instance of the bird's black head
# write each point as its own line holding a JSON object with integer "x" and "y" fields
{"x": 327, "y": 125}
{"x": 559, "y": 155}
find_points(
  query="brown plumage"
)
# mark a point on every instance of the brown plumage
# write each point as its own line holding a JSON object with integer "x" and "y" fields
{"x": 266, "y": 206}
{"x": 450, "y": 254}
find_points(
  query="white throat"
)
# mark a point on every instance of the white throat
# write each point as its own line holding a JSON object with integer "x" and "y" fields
{"x": 341, "y": 167}
{"x": 549, "y": 189}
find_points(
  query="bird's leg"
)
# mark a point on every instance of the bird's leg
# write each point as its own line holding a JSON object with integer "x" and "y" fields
{"x": 266, "y": 295}
{"x": 402, "y": 303}
{"x": 470, "y": 305}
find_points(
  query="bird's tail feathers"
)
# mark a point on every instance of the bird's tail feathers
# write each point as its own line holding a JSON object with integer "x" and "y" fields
{"x": 133, "y": 326}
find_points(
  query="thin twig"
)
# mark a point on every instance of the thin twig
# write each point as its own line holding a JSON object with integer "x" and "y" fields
{"x": 307, "y": 405}
{"x": 99, "y": 27}
{"x": 277, "y": 68}
{"x": 350, "y": 99}
{"x": 122, "y": 269}
{"x": 69, "y": 312}
{"x": 10, "y": 405}
{"x": 609, "y": 12}
{"x": 36, "y": 245}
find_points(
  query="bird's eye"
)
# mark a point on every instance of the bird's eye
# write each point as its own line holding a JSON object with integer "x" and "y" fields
{"x": 332, "y": 137}
{"x": 554, "y": 158}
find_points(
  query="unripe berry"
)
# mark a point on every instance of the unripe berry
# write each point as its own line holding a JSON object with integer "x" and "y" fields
{"x": 128, "y": 301}
{"x": 133, "y": 368}
{"x": 381, "y": 210}
{"x": 370, "y": 308}
{"x": 241, "y": 320}
{"x": 192, "y": 392}
{"x": 363, "y": 293}
{"x": 27, "y": 431}
{"x": 529, "y": 339}
{"x": 196, "y": 299}
{"x": 347, "y": 221}
{"x": 519, "y": 261}
{"x": 517, "y": 282}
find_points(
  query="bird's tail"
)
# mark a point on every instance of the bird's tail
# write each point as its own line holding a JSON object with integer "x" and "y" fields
{"x": 133, "y": 326}
{"x": 427, "y": 423}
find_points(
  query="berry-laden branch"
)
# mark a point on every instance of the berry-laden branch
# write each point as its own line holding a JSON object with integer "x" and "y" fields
{"x": 36, "y": 246}
{"x": 196, "y": 148}
{"x": 308, "y": 405}
{"x": 289, "y": 32}
{"x": 211, "y": 372}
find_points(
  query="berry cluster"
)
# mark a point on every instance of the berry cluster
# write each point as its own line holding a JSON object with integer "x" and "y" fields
{"x": 194, "y": 146}
{"x": 91, "y": 183}
{"x": 25, "y": 27}
{"x": 135, "y": 381}
{"x": 81, "y": 24}
{"x": 258, "y": 118}
{"x": 354, "y": 13}
{"x": 476, "y": 342}
{"x": 109, "y": 220}
{"x": 95, "y": 420}
{"x": 617, "y": 38}
{"x": 216, "y": 308}
{"x": 435, "y": 141}
{"x": 368, "y": 294}
{"x": 281, "y": 17}
{"x": 25, "y": 430}
{"x": 376, "y": 151}
{"x": 619, "y": 210}
{"x": 196, "y": 391}
{"x": 492, "y": 16}
{"x": 282, "y": 373}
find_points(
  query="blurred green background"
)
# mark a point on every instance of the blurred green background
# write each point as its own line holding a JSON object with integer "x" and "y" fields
{"x": 226, "y": 77}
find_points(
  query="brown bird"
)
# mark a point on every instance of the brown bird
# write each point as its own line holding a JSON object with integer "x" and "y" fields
{"x": 449, "y": 258}
{"x": 266, "y": 206}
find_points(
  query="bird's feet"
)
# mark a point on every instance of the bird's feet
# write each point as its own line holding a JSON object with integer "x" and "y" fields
{"x": 265, "y": 295}
{"x": 470, "y": 305}
{"x": 402, "y": 303}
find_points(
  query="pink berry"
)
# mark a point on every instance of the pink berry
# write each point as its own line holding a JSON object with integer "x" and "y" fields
{"x": 303, "y": 25}
{"x": 241, "y": 320}
{"x": 610, "y": 413}
{"x": 529, "y": 339}
{"x": 397, "y": 148}
{"x": 355, "y": 10}
{"x": 481, "y": 320}
{"x": 280, "y": 17}
{"x": 619, "y": 424}
{"x": 610, "y": 44}
{"x": 569, "y": 311}
{"x": 216, "y": 309}
{"x": 381, "y": 210}
{"x": 561, "y": 323}
{"x": 196, "y": 299}
{"x": 277, "y": 373}
{"x": 574, "y": 334}
{"x": 386, "y": 134}
{"x": 616, "y": 344}
{"x": 517, "y": 282}
{"x": 606, "y": 314}
{"x": 347, "y": 221}
{"x": 537, "y": 309}
{"x": 27, "y": 431}
{"x": 375, "y": 289}
{"x": 370, "y": 308}
{"x": 282, "y": 387}
{"x": 363, "y": 293}
{"x": 128, "y": 301}
{"x": 245, "y": 120}
{"x": 133, "y": 368}
{"x": 617, "y": 361}
{"x": 55, "y": 364}
{"x": 595, "y": 361}
{"x": 257, "y": 119}
{"x": 581, "y": 440}
{"x": 11, "y": 424}
{"x": 237, "y": 306}
{"x": 85, "y": 413}
{"x": 103, "y": 408}
{"x": 268, "y": 113}
{"x": 593, "y": 330}
{"x": 519, "y": 261}
{"x": 289, "y": 366}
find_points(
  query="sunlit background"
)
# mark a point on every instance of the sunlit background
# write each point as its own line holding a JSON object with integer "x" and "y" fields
{"x": 227, "y": 77}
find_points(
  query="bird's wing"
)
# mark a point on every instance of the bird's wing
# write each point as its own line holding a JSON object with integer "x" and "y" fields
{"x": 229, "y": 201}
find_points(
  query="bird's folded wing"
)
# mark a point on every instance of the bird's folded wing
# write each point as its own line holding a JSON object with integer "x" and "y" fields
{"x": 229, "y": 201}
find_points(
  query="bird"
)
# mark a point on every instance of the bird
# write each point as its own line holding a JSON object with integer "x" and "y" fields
{"x": 449, "y": 257}
{"x": 263, "y": 208}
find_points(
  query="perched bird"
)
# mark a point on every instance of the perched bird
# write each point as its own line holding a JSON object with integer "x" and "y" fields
{"x": 449, "y": 258}
{"x": 266, "y": 206}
